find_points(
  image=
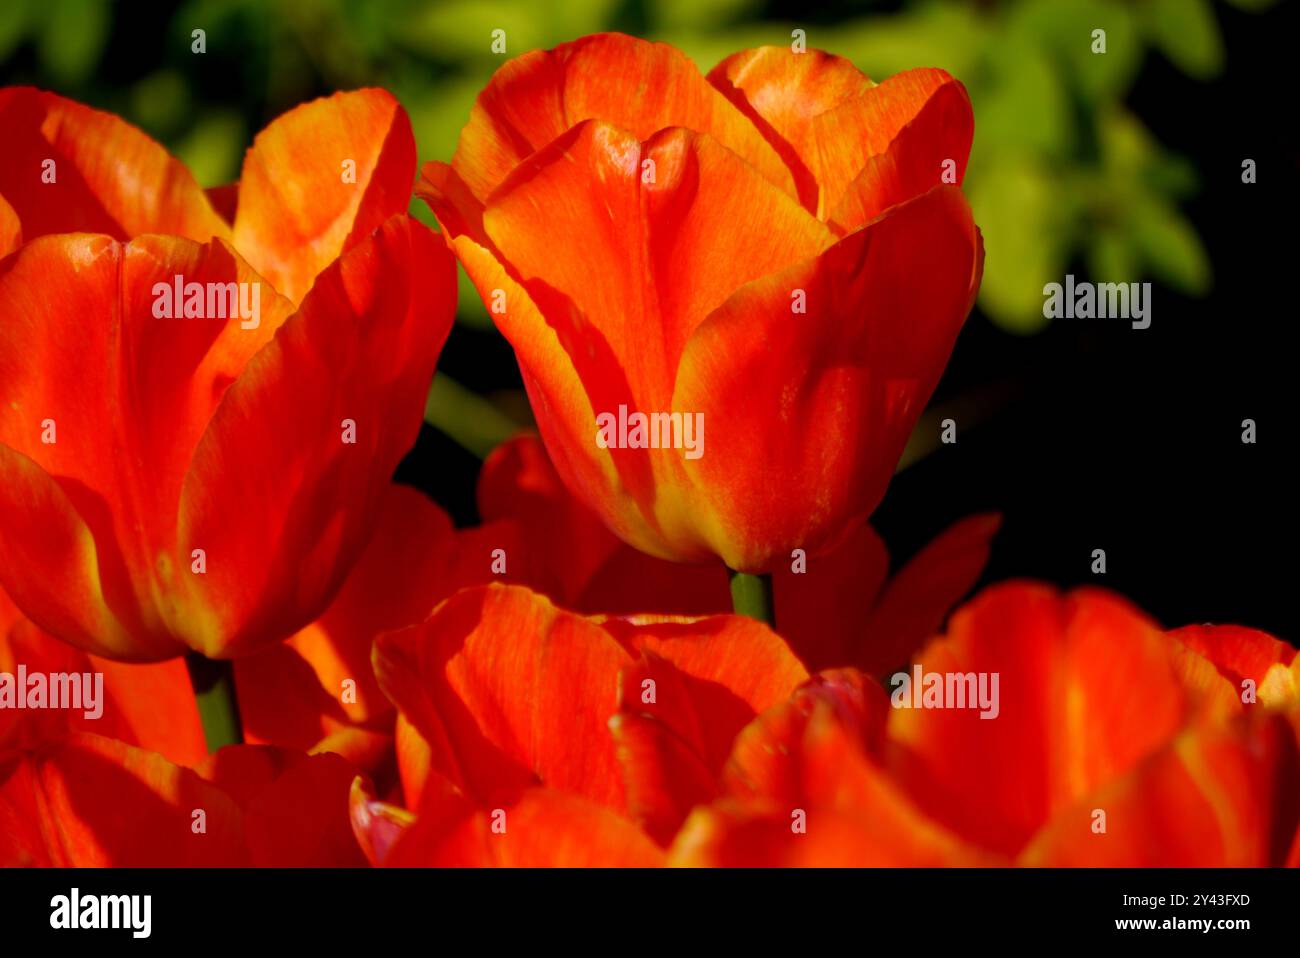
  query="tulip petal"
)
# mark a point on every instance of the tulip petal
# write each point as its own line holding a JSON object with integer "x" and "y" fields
{"x": 616, "y": 279}
{"x": 414, "y": 560}
{"x": 931, "y": 149}
{"x": 301, "y": 205}
{"x": 805, "y": 793}
{"x": 680, "y": 707}
{"x": 1225, "y": 797}
{"x": 107, "y": 176}
{"x": 112, "y": 409}
{"x": 88, "y": 801}
{"x": 1065, "y": 723}
{"x": 783, "y": 92}
{"x": 541, "y": 342}
{"x": 823, "y": 610}
{"x": 536, "y": 97}
{"x": 396, "y": 582}
{"x": 546, "y": 828}
{"x": 361, "y": 350}
{"x": 11, "y": 230}
{"x": 1240, "y": 654}
{"x": 509, "y": 691}
{"x": 294, "y": 807}
{"x": 581, "y": 216}
{"x": 834, "y": 134}
{"x": 573, "y": 558}
{"x": 518, "y": 483}
{"x": 915, "y": 602}
{"x": 150, "y": 706}
{"x": 842, "y": 378}
{"x": 50, "y": 566}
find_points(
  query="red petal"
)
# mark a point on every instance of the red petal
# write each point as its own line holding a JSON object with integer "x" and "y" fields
{"x": 1087, "y": 690}
{"x": 295, "y": 806}
{"x": 834, "y": 133}
{"x": 298, "y": 210}
{"x": 917, "y": 160}
{"x": 845, "y": 378}
{"x": 1218, "y": 796}
{"x": 108, "y": 176}
{"x": 151, "y": 706}
{"x": 128, "y": 397}
{"x": 807, "y": 794}
{"x": 696, "y": 686}
{"x": 1240, "y": 654}
{"x": 509, "y": 691}
{"x": 568, "y": 541}
{"x": 783, "y": 92}
{"x": 11, "y": 230}
{"x": 361, "y": 348}
{"x": 544, "y": 829}
{"x": 536, "y": 97}
{"x": 573, "y": 558}
{"x": 824, "y": 610}
{"x": 89, "y": 801}
{"x": 915, "y": 602}
{"x": 402, "y": 573}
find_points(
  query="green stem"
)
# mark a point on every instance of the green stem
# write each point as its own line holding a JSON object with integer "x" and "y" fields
{"x": 214, "y": 690}
{"x": 751, "y": 595}
{"x": 470, "y": 420}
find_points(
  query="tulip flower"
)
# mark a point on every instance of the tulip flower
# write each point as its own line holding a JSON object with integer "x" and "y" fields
{"x": 731, "y": 296}
{"x": 1114, "y": 744}
{"x": 508, "y": 700}
{"x": 89, "y": 801}
{"x": 184, "y": 468}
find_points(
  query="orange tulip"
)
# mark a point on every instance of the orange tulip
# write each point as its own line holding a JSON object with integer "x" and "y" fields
{"x": 88, "y": 801}
{"x": 523, "y": 721}
{"x": 201, "y": 474}
{"x": 730, "y": 297}
{"x": 1113, "y": 744}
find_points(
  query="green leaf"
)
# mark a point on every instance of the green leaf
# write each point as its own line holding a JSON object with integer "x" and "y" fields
{"x": 73, "y": 38}
{"x": 1064, "y": 28}
{"x": 1112, "y": 257}
{"x": 1187, "y": 32}
{"x": 1170, "y": 247}
{"x": 1022, "y": 106}
{"x": 1019, "y": 207}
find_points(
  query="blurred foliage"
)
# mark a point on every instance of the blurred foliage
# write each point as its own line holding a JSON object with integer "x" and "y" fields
{"x": 1061, "y": 169}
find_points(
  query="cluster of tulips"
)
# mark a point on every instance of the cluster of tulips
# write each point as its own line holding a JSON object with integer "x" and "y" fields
{"x": 781, "y": 247}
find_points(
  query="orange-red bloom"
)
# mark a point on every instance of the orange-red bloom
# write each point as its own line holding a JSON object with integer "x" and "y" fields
{"x": 506, "y": 704}
{"x": 173, "y": 481}
{"x": 530, "y": 735}
{"x": 1114, "y": 744}
{"x": 774, "y": 253}
{"x": 87, "y": 801}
